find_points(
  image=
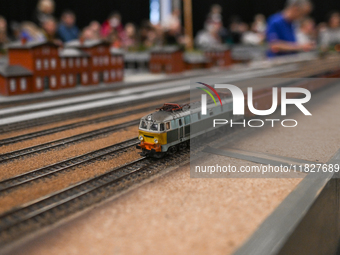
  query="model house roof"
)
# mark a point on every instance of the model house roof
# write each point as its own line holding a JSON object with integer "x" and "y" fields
{"x": 217, "y": 48}
{"x": 14, "y": 70}
{"x": 72, "y": 52}
{"x": 115, "y": 51}
{"x": 165, "y": 49}
{"x": 29, "y": 45}
{"x": 85, "y": 44}
{"x": 195, "y": 58}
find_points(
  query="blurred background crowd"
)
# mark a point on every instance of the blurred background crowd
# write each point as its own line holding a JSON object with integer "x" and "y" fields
{"x": 217, "y": 30}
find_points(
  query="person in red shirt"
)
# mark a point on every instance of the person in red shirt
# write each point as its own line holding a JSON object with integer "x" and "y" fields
{"x": 112, "y": 25}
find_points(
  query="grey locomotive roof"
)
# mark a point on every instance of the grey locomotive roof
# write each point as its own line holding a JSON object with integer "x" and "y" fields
{"x": 163, "y": 116}
{"x": 29, "y": 45}
{"x": 194, "y": 107}
{"x": 165, "y": 49}
{"x": 85, "y": 44}
{"x": 72, "y": 52}
{"x": 14, "y": 70}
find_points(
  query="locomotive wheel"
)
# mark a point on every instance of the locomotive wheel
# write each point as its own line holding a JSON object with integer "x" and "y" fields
{"x": 159, "y": 155}
{"x": 183, "y": 146}
{"x": 173, "y": 150}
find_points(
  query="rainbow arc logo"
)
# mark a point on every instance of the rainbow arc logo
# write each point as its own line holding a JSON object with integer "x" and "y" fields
{"x": 209, "y": 93}
{"x": 204, "y": 96}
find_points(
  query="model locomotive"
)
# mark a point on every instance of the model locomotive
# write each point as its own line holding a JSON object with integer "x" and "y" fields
{"x": 171, "y": 127}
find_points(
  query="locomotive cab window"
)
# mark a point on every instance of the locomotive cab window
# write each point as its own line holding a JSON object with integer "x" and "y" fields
{"x": 180, "y": 122}
{"x": 143, "y": 125}
{"x": 167, "y": 125}
{"x": 161, "y": 127}
{"x": 154, "y": 127}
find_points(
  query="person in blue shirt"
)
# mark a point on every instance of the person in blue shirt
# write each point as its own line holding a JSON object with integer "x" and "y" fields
{"x": 67, "y": 30}
{"x": 281, "y": 34}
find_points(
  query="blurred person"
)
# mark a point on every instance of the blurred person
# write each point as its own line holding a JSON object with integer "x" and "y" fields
{"x": 281, "y": 34}
{"x": 3, "y": 34}
{"x": 95, "y": 29}
{"x": 91, "y": 32}
{"x": 130, "y": 39}
{"x": 173, "y": 21}
{"x": 3, "y": 31}
{"x": 330, "y": 36}
{"x": 150, "y": 35}
{"x": 321, "y": 27}
{"x": 115, "y": 40}
{"x": 15, "y": 31}
{"x": 173, "y": 28}
{"x": 49, "y": 28}
{"x": 45, "y": 10}
{"x": 237, "y": 29}
{"x": 209, "y": 37}
{"x": 253, "y": 37}
{"x": 143, "y": 33}
{"x": 154, "y": 37}
{"x": 215, "y": 16}
{"x": 259, "y": 24}
{"x": 31, "y": 32}
{"x": 67, "y": 29}
{"x": 86, "y": 34}
{"x": 113, "y": 23}
{"x": 306, "y": 31}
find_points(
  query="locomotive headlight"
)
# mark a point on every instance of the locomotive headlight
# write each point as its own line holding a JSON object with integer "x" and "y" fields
{"x": 156, "y": 140}
{"x": 141, "y": 138}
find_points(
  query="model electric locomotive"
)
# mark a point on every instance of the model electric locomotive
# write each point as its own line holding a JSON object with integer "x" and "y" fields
{"x": 171, "y": 127}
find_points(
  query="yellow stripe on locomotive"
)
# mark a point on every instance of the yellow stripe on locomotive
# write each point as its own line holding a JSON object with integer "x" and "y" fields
{"x": 152, "y": 141}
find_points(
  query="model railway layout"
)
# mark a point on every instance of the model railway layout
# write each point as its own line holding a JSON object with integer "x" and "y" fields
{"x": 89, "y": 164}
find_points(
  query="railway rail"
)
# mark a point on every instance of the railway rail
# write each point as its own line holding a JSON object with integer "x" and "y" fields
{"x": 87, "y": 158}
{"x": 49, "y": 209}
{"x": 44, "y": 211}
{"x": 64, "y": 141}
{"x": 100, "y": 109}
{"x": 68, "y": 116}
{"x": 49, "y": 131}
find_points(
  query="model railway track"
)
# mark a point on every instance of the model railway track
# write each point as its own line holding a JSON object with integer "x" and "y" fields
{"x": 87, "y": 158}
{"x": 54, "y": 130}
{"x": 89, "y": 112}
{"x": 65, "y": 141}
{"x": 72, "y": 115}
{"x": 49, "y": 209}
{"x": 329, "y": 64}
{"x": 52, "y": 107}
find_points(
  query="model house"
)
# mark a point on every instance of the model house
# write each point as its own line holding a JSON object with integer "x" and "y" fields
{"x": 38, "y": 66}
{"x": 15, "y": 80}
{"x": 168, "y": 59}
{"x": 219, "y": 56}
{"x": 105, "y": 66}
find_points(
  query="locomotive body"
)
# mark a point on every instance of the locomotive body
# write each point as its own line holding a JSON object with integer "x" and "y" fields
{"x": 171, "y": 127}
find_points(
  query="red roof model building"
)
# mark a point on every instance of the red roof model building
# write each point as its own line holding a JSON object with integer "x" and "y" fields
{"x": 46, "y": 66}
